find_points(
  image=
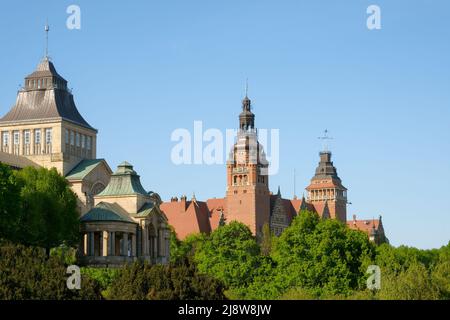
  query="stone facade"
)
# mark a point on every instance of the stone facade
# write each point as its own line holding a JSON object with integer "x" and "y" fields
{"x": 249, "y": 200}
{"x": 45, "y": 129}
{"x": 44, "y": 124}
{"x": 126, "y": 224}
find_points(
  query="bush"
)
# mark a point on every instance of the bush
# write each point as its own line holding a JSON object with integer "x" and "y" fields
{"x": 27, "y": 273}
{"x": 140, "y": 281}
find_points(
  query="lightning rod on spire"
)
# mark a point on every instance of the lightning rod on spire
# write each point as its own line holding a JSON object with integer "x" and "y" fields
{"x": 47, "y": 29}
{"x": 325, "y": 138}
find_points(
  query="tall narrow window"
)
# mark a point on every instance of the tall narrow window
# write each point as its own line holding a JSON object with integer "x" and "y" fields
{"x": 78, "y": 139}
{"x": 37, "y": 136}
{"x": 48, "y": 136}
{"x": 83, "y": 141}
{"x": 67, "y": 136}
{"x": 16, "y": 137}
{"x": 72, "y": 138}
{"x": 5, "y": 138}
{"x": 26, "y": 136}
{"x": 88, "y": 143}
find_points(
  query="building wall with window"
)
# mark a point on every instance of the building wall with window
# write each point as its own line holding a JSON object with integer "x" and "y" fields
{"x": 45, "y": 143}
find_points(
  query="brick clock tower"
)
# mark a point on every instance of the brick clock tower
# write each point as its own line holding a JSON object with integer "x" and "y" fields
{"x": 248, "y": 195}
{"x": 326, "y": 189}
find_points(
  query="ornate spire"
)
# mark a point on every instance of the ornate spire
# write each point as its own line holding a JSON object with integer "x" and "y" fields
{"x": 246, "y": 118}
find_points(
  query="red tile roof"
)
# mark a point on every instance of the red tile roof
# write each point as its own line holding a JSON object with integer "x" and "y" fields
{"x": 188, "y": 217}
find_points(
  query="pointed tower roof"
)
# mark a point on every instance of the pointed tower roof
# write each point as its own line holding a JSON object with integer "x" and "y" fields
{"x": 125, "y": 181}
{"x": 45, "y": 97}
{"x": 327, "y": 172}
{"x": 246, "y": 117}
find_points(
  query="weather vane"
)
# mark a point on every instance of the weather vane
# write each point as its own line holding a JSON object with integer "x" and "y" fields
{"x": 325, "y": 139}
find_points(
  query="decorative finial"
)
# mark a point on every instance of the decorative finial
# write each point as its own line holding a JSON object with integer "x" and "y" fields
{"x": 325, "y": 137}
{"x": 47, "y": 29}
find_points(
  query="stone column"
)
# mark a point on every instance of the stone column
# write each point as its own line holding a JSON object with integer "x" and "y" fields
{"x": 161, "y": 242}
{"x": 21, "y": 142}
{"x": 125, "y": 244}
{"x": 133, "y": 245}
{"x": 145, "y": 244}
{"x": 11, "y": 141}
{"x": 105, "y": 243}
{"x": 91, "y": 244}
{"x": 113, "y": 243}
{"x": 85, "y": 244}
{"x": 31, "y": 145}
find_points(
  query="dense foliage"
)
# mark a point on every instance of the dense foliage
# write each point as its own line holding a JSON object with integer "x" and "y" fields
{"x": 140, "y": 281}
{"x": 28, "y": 273}
{"x": 312, "y": 259}
{"x": 315, "y": 259}
{"x": 37, "y": 208}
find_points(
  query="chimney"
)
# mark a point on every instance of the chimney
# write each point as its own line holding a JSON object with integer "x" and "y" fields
{"x": 183, "y": 203}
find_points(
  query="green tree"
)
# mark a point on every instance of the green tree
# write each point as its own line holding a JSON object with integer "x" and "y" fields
{"x": 266, "y": 240}
{"x": 414, "y": 283}
{"x": 141, "y": 281}
{"x": 27, "y": 273}
{"x": 440, "y": 278}
{"x": 48, "y": 215}
{"x": 322, "y": 255}
{"x": 181, "y": 250}
{"x": 230, "y": 254}
{"x": 9, "y": 204}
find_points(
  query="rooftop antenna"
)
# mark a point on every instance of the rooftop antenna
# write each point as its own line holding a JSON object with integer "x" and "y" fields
{"x": 47, "y": 29}
{"x": 325, "y": 137}
{"x": 246, "y": 87}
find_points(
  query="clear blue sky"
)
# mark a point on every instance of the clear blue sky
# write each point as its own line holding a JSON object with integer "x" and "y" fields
{"x": 140, "y": 69}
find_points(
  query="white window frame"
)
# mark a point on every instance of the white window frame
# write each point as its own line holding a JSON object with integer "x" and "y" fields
{"x": 37, "y": 136}
{"x": 16, "y": 137}
{"x": 83, "y": 141}
{"x": 26, "y": 137}
{"x": 5, "y": 138}
{"x": 48, "y": 136}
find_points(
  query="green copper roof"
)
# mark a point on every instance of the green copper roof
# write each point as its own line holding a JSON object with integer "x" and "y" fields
{"x": 82, "y": 169}
{"x": 125, "y": 181}
{"x": 146, "y": 210}
{"x": 106, "y": 212}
